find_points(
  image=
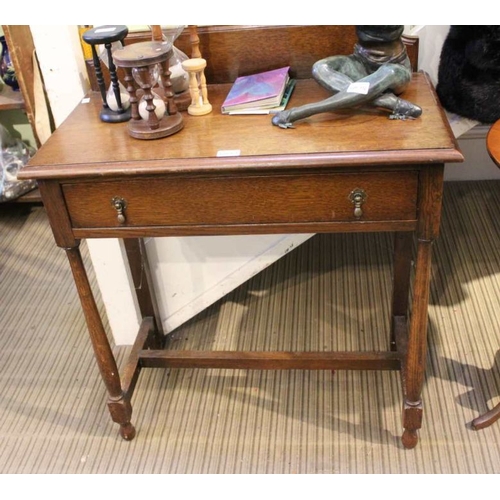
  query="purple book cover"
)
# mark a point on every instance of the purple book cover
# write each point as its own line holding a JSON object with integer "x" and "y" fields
{"x": 264, "y": 86}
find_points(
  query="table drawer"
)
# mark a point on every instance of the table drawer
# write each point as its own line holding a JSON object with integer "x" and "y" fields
{"x": 241, "y": 200}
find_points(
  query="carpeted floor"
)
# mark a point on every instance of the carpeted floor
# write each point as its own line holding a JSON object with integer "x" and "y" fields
{"x": 332, "y": 292}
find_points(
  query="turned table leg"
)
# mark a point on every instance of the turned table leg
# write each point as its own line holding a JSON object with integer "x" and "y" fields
{"x": 414, "y": 365}
{"x": 144, "y": 289}
{"x": 118, "y": 403}
{"x": 403, "y": 242}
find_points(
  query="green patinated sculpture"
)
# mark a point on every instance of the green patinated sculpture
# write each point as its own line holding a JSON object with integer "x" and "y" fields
{"x": 377, "y": 71}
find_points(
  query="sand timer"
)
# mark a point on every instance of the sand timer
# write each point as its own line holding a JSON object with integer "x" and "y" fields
{"x": 147, "y": 76}
{"x": 116, "y": 100}
{"x": 178, "y": 76}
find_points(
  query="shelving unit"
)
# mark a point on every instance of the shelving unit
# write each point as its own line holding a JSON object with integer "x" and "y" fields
{"x": 21, "y": 48}
{"x": 9, "y": 99}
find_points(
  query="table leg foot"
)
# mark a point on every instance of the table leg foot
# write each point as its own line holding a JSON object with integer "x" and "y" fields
{"x": 409, "y": 439}
{"x": 412, "y": 421}
{"x": 486, "y": 419}
{"x": 127, "y": 431}
{"x": 121, "y": 413}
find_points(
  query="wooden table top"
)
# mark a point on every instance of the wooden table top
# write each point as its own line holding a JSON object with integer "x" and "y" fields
{"x": 83, "y": 146}
{"x": 493, "y": 142}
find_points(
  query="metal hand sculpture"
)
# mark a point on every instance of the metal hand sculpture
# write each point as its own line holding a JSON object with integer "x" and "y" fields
{"x": 377, "y": 71}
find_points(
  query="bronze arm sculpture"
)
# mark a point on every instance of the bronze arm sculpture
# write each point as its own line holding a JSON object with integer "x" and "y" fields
{"x": 377, "y": 71}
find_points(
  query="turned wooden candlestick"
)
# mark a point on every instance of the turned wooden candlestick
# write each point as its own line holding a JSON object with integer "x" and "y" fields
{"x": 195, "y": 41}
{"x": 197, "y": 87}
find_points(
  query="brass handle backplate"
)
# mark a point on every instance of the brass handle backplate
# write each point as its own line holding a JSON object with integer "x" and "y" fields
{"x": 119, "y": 205}
{"x": 358, "y": 197}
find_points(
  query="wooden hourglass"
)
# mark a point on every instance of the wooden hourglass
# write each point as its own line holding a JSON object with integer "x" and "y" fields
{"x": 115, "y": 103}
{"x": 197, "y": 87}
{"x": 178, "y": 77}
{"x": 154, "y": 113}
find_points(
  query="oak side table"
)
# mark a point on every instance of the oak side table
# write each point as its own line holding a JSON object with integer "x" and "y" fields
{"x": 493, "y": 147}
{"x": 228, "y": 175}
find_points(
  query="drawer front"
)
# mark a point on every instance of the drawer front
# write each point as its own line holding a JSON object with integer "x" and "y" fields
{"x": 242, "y": 200}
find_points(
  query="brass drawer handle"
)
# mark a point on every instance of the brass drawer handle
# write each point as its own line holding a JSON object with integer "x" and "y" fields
{"x": 119, "y": 205}
{"x": 358, "y": 197}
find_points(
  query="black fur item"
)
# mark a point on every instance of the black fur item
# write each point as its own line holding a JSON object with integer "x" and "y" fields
{"x": 469, "y": 73}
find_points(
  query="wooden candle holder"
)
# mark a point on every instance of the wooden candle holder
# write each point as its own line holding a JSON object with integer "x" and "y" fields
{"x": 197, "y": 87}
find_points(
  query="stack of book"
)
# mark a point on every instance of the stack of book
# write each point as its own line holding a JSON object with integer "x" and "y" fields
{"x": 261, "y": 93}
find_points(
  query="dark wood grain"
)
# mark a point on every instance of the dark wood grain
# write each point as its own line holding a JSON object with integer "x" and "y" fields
{"x": 430, "y": 199}
{"x": 280, "y": 360}
{"x": 364, "y": 138}
{"x": 118, "y": 403}
{"x": 233, "y": 51}
{"x": 252, "y": 199}
{"x": 143, "y": 283}
{"x": 146, "y": 338}
{"x": 57, "y": 214}
{"x": 245, "y": 229}
{"x": 403, "y": 250}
